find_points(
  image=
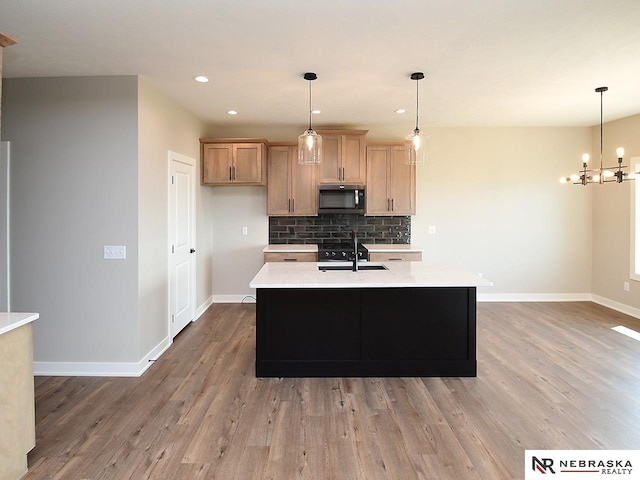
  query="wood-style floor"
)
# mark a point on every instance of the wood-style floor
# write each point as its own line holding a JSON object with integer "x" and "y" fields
{"x": 550, "y": 376}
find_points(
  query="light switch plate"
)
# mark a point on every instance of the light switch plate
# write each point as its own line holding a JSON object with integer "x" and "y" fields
{"x": 115, "y": 252}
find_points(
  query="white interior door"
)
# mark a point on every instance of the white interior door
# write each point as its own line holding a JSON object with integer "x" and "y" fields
{"x": 181, "y": 242}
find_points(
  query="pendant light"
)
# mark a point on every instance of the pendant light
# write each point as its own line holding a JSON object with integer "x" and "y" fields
{"x": 416, "y": 143}
{"x": 309, "y": 143}
{"x": 603, "y": 174}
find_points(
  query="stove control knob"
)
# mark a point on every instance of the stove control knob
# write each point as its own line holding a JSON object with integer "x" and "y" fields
{"x": 344, "y": 254}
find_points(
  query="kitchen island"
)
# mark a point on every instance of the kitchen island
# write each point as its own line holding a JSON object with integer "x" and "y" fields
{"x": 17, "y": 408}
{"x": 409, "y": 319}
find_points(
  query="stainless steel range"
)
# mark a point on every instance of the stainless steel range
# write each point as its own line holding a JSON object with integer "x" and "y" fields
{"x": 343, "y": 252}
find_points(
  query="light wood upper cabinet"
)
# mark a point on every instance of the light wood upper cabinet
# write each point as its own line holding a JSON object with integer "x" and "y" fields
{"x": 292, "y": 188}
{"x": 229, "y": 162}
{"x": 391, "y": 184}
{"x": 343, "y": 157}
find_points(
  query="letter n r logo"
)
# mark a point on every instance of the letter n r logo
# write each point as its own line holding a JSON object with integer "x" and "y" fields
{"x": 542, "y": 465}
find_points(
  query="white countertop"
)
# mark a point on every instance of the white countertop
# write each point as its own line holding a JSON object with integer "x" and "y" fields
{"x": 372, "y": 247}
{"x": 297, "y": 248}
{"x": 399, "y": 274}
{"x": 10, "y": 321}
{"x": 391, "y": 247}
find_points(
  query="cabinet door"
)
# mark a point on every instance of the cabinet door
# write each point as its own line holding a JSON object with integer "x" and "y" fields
{"x": 331, "y": 164}
{"x": 278, "y": 189}
{"x": 353, "y": 160}
{"x": 402, "y": 183}
{"x": 247, "y": 163}
{"x": 304, "y": 187}
{"x": 378, "y": 200}
{"x": 216, "y": 163}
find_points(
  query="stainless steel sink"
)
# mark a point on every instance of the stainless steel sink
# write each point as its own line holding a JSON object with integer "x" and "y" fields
{"x": 361, "y": 266}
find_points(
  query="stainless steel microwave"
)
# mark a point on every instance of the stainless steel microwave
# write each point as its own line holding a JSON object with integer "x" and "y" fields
{"x": 341, "y": 199}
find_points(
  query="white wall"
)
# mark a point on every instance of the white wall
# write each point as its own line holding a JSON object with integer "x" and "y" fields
{"x": 163, "y": 126}
{"x": 74, "y": 189}
{"x": 494, "y": 197}
{"x": 492, "y": 193}
{"x": 611, "y": 217}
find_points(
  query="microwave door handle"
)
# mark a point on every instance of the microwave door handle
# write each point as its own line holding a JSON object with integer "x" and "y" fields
{"x": 356, "y": 197}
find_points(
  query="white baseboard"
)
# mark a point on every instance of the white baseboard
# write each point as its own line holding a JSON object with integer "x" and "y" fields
{"x": 617, "y": 306}
{"x": 234, "y": 299}
{"x": 136, "y": 369}
{"x": 101, "y": 369}
{"x": 534, "y": 297}
{"x": 203, "y": 308}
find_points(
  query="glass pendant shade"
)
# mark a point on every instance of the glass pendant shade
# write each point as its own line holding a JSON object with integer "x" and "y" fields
{"x": 416, "y": 148}
{"x": 416, "y": 145}
{"x": 309, "y": 148}
{"x": 309, "y": 143}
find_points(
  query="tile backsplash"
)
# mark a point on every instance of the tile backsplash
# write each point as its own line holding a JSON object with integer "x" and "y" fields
{"x": 333, "y": 228}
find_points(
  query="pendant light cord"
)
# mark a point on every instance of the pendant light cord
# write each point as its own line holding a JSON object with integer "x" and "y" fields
{"x": 310, "y": 108}
{"x": 417, "y": 103}
{"x": 601, "y": 120}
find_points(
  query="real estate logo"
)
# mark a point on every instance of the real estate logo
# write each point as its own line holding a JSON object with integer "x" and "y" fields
{"x": 582, "y": 464}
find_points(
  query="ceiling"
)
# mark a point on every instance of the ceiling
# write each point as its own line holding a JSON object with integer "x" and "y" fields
{"x": 487, "y": 62}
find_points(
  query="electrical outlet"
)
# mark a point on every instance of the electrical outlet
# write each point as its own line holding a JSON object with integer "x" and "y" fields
{"x": 113, "y": 252}
{"x": 245, "y": 231}
{"x": 625, "y": 285}
{"x": 431, "y": 230}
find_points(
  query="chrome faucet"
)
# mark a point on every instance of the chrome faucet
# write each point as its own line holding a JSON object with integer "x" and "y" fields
{"x": 355, "y": 250}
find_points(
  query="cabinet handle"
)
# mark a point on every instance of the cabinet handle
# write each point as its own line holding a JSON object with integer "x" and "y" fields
{"x": 392, "y": 205}
{"x": 394, "y": 259}
{"x": 388, "y": 204}
{"x": 230, "y": 174}
{"x": 289, "y": 206}
{"x": 234, "y": 173}
{"x": 293, "y": 205}
{"x": 290, "y": 259}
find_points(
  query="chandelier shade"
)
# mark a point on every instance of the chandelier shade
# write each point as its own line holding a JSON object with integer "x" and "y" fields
{"x": 309, "y": 143}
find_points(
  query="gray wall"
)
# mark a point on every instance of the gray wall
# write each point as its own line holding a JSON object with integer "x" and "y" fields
{"x": 74, "y": 189}
{"x": 90, "y": 168}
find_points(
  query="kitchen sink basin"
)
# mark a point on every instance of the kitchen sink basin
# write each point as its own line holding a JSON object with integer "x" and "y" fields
{"x": 361, "y": 266}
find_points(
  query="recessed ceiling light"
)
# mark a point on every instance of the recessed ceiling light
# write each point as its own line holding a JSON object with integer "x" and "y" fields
{"x": 400, "y": 110}
{"x": 232, "y": 112}
{"x": 201, "y": 79}
{"x": 316, "y": 112}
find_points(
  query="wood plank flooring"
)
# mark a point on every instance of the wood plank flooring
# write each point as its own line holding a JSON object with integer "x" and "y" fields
{"x": 550, "y": 376}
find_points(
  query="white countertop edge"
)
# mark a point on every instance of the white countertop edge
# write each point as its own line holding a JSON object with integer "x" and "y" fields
{"x": 311, "y": 247}
{"x": 367, "y": 285}
{"x": 291, "y": 248}
{"x": 391, "y": 247}
{"x": 399, "y": 275}
{"x": 10, "y": 320}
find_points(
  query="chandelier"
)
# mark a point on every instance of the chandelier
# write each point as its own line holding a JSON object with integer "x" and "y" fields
{"x": 604, "y": 174}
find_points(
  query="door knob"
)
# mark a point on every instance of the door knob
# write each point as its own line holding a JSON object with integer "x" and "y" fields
{"x": 193, "y": 250}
